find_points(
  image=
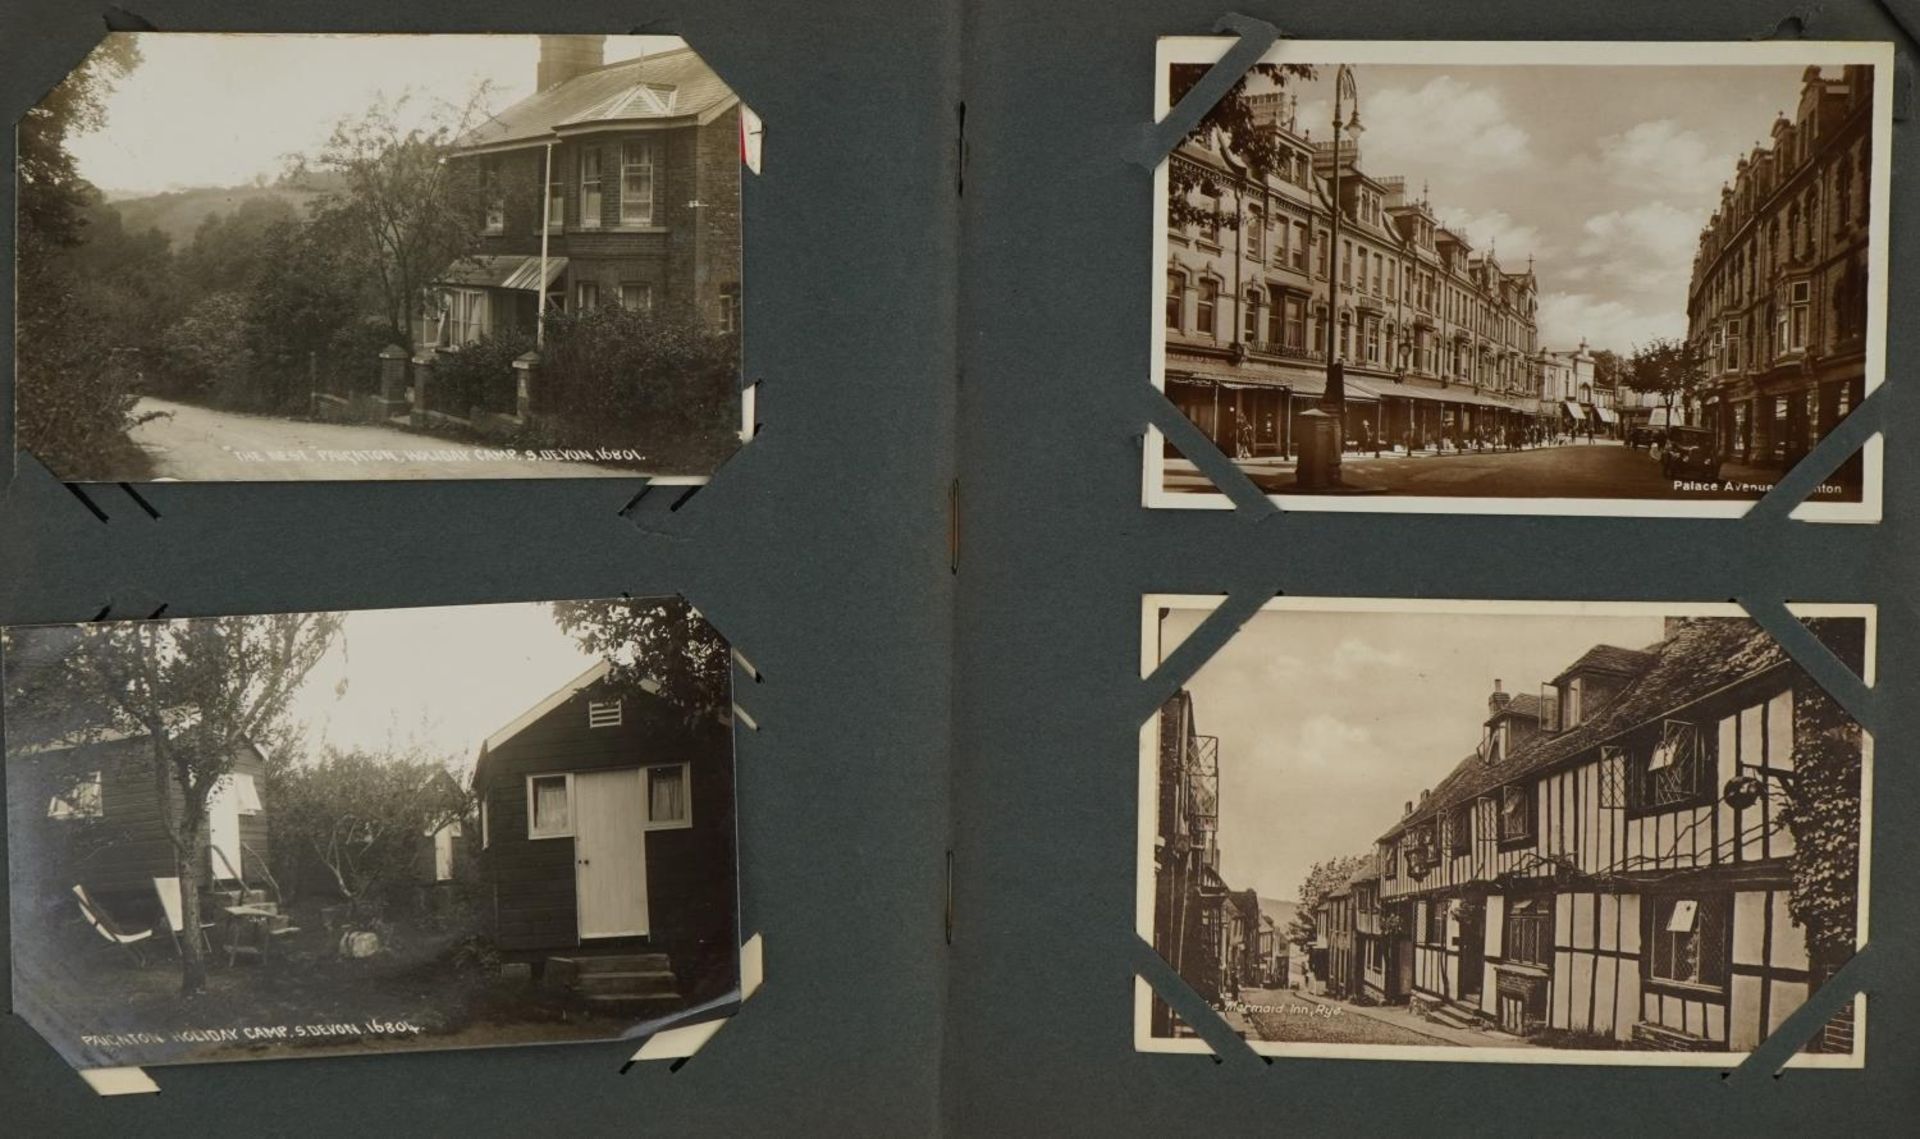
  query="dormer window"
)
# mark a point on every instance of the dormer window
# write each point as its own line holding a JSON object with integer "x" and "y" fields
{"x": 603, "y": 714}
{"x": 1573, "y": 696}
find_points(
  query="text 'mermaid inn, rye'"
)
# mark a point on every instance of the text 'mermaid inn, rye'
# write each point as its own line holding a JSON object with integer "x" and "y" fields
{"x": 1778, "y": 299}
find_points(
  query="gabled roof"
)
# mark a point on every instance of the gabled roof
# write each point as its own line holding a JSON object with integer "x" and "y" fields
{"x": 1522, "y": 704}
{"x": 1702, "y": 656}
{"x": 1610, "y": 659}
{"x": 553, "y": 700}
{"x": 667, "y": 87}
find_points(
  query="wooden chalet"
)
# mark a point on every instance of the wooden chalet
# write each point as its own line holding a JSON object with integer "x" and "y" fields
{"x": 96, "y": 794}
{"x": 607, "y": 843}
{"x": 1590, "y": 870}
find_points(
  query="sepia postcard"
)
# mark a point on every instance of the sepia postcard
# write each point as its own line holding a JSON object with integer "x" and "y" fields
{"x": 299, "y": 834}
{"x": 1524, "y": 278}
{"x": 1494, "y": 831}
{"x": 268, "y": 257}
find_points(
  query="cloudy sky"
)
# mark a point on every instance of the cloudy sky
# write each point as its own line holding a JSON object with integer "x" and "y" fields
{"x": 1604, "y": 174}
{"x": 1329, "y": 721}
{"x": 441, "y": 679}
{"x": 223, "y": 109}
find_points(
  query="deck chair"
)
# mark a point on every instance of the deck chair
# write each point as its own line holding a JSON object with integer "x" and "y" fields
{"x": 169, "y": 891}
{"x": 104, "y": 925}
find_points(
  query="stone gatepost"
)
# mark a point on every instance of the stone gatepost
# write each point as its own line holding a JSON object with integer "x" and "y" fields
{"x": 526, "y": 373}
{"x": 422, "y": 380}
{"x": 393, "y": 380}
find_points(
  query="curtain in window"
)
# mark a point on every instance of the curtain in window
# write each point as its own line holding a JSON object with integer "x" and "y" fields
{"x": 549, "y": 804}
{"x": 636, "y": 183}
{"x": 667, "y": 794}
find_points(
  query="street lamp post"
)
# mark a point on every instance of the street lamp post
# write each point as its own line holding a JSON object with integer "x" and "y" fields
{"x": 1325, "y": 426}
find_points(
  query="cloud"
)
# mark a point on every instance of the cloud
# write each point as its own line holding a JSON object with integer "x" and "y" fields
{"x": 1664, "y": 156}
{"x": 1443, "y": 124}
{"x": 1567, "y": 317}
{"x": 1513, "y": 241}
{"x": 1326, "y": 741}
{"x": 1353, "y": 656}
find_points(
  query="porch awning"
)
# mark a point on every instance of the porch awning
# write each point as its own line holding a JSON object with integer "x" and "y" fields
{"x": 509, "y": 271}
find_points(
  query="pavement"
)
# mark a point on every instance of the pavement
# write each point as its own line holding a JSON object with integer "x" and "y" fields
{"x": 1295, "y": 1016}
{"x": 1603, "y": 469}
{"x": 197, "y": 444}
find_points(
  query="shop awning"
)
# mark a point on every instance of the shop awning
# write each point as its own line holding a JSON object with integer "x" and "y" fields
{"x": 511, "y": 271}
{"x": 1573, "y": 409}
{"x": 1606, "y": 415}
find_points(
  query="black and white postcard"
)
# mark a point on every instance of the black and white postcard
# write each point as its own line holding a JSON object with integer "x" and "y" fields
{"x": 291, "y": 257}
{"x": 1532, "y": 832}
{"x": 296, "y": 834}
{"x": 1524, "y": 278}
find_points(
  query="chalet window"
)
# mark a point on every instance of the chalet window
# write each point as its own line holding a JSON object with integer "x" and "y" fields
{"x": 636, "y": 183}
{"x": 1176, "y": 297}
{"x": 636, "y": 297}
{"x": 1529, "y": 932}
{"x": 1460, "y": 831}
{"x": 1256, "y": 231}
{"x": 586, "y": 296}
{"x": 1300, "y": 246}
{"x": 245, "y": 793}
{"x": 603, "y": 714}
{"x": 667, "y": 795}
{"x": 1675, "y": 772}
{"x": 1516, "y": 812}
{"x": 1687, "y": 944}
{"x": 1250, "y": 318}
{"x": 1296, "y": 326}
{"x": 549, "y": 806}
{"x": 1796, "y": 328}
{"x": 591, "y": 196}
{"x": 82, "y": 800}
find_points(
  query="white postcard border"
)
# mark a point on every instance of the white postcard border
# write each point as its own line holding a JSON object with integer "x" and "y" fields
{"x": 1146, "y": 824}
{"x": 1879, "y": 54}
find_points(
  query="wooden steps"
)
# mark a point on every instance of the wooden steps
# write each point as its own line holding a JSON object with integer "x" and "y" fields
{"x": 617, "y": 982}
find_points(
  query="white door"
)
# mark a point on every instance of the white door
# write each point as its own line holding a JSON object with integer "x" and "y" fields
{"x": 610, "y": 852}
{"x": 223, "y": 829}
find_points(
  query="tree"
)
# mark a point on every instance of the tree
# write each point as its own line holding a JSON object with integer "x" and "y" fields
{"x": 362, "y": 814}
{"x": 199, "y": 691}
{"x": 73, "y": 397}
{"x": 1609, "y": 371}
{"x": 1242, "y": 133}
{"x": 402, "y": 212}
{"x": 662, "y": 641}
{"x": 1320, "y": 881}
{"x": 1675, "y": 370}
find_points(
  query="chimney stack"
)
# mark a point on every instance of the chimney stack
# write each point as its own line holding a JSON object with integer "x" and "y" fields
{"x": 1408, "y": 809}
{"x": 1499, "y": 699}
{"x": 564, "y": 57}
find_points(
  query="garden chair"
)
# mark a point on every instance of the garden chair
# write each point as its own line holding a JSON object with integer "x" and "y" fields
{"x": 169, "y": 891}
{"x": 104, "y": 925}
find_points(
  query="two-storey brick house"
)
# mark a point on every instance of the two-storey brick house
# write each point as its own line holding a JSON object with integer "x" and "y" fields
{"x": 640, "y": 164}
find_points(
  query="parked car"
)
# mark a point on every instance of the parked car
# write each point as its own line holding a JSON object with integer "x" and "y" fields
{"x": 1690, "y": 452}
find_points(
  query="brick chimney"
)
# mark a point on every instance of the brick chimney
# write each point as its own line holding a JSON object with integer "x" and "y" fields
{"x": 1499, "y": 699}
{"x": 563, "y": 57}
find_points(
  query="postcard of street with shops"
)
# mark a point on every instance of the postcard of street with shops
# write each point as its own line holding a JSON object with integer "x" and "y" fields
{"x": 1492, "y": 831}
{"x": 271, "y": 257}
{"x": 1523, "y": 278}
{"x": 308, "y": 834}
